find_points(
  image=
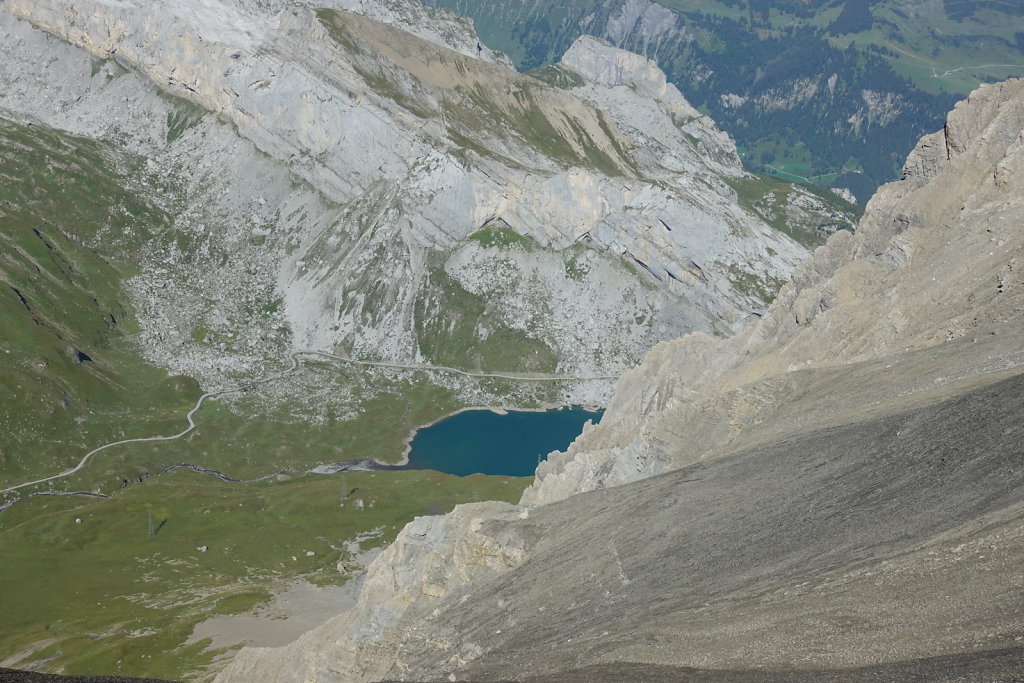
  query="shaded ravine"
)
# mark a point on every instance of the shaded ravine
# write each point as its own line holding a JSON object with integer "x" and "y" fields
{"x": 295, "y": 366}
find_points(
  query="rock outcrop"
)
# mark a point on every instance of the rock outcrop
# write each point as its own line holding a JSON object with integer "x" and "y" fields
{"x": 603, "y": 64}
{"x": 376, "y": 139}
{"x": 919, "y": 279}
{"x": 841, "y": 484}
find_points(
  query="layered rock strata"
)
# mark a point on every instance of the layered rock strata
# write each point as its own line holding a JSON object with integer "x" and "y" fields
{"x": 378, "y": 152}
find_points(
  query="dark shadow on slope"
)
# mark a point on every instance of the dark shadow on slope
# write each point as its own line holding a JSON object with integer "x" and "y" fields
{"x": 994, "y": 666}
{"x": 15, "y": 676}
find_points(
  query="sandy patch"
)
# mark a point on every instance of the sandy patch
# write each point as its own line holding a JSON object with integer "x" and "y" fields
{"x": 299, "y": 608}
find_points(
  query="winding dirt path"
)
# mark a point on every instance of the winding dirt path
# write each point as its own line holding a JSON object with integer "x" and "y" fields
{"x": 296, "y": 364}
{"x": 188, "y": 416}
{"x": 455, "y": 371}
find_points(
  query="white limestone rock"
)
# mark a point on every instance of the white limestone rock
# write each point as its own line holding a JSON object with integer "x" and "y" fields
{"x": 366, "y": 119}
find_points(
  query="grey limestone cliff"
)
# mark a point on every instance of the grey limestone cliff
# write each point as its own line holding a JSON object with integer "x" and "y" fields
{"x": 330, "y": 165}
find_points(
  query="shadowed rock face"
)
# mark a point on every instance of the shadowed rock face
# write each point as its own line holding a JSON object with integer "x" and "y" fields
{"x": 841, "y": 489}
{"x": 15, "y": 676}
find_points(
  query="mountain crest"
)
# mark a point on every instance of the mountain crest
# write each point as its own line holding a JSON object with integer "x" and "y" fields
{"x": 600, "y": 62}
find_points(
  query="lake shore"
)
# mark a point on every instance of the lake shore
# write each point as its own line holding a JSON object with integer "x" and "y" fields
{"x": 498, "y": 410}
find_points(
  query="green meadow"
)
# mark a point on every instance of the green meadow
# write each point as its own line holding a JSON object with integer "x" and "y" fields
{"x": 120, "y": 591}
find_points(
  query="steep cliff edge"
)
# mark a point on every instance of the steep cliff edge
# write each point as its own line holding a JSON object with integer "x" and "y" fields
{"x": 841, "y": 485}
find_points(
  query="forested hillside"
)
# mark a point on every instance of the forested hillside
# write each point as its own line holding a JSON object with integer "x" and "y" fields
{"x": 829, "y": 90}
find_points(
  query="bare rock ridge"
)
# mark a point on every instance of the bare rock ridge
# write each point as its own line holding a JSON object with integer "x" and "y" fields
{"x": 841, "y": 487}
{"x": 367, "y": 155}
{"x": 921, "y": 277}
{"x": 445, "y": 28}
{"x": 589, "y": 58}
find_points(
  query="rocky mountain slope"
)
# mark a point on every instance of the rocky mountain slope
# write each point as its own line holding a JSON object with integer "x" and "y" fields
{"x": 931, "y": 277}
{"x": 835, "y": 90}
{"x": 191, "y": 193}
{"x": 366, "y": 190}
{"x": 841, "y": 487}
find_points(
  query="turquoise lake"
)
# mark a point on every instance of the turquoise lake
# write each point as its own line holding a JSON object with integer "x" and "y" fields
{"x": 481, "y": 441}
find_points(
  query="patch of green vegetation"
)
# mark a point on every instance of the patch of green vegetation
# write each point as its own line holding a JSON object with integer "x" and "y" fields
{"x": 614, "y": 139}
{"x": 450, "y": 320}
{"x": 528, "y": 119}
{"x": 466, "y": 143}
{"x": 599, "y": 159}
{"x": 503, "y": 237}
{"x": 271, "y": 308}
{"x": 115, "y": 68}
{"x": 447, "y": 317}
{"x": 387, "y": 419}
{"x": 79, "y": 186}
{"x": 642, "y": 274}
{"x": 376, "y": 71}
{"x": 766, "y": 196}
{"x": 239, "y": 603}
{"x": 773, "y": 155}
{"x": 557, "y": 76}
{"x": 181, "y": 117}
{"x": 576, "y": 267}
{"x": 749, "y": 284}
{"x": 382, "y": 84}
{"x": 125, "y": 601}
{"x": 245, "y": 441}
{"x": 510, "y": 349}
{"x": 482, "y": 111}
{"x": 64, "y": 323}
{"x": 375, "y": 295}
{"x": 334, "y": 22}
{"x": 367, "y": 294}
